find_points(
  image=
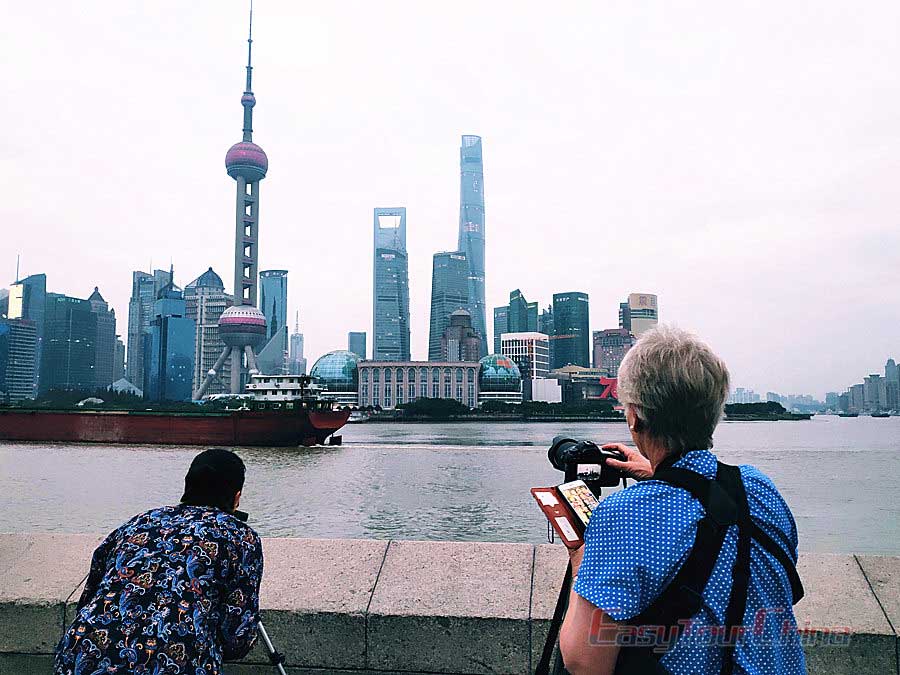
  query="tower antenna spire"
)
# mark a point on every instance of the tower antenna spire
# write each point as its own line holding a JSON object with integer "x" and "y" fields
{"x": 249, "y": 51}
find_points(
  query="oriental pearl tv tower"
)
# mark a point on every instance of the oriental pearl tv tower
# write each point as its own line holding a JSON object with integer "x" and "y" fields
{"x": 243, "y": 326}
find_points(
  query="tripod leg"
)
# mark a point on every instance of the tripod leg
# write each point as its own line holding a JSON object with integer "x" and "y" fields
{"x": 275, "y": 658}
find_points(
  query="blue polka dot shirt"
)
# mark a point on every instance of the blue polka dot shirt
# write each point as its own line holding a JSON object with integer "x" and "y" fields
{"x": 636, "y": 542}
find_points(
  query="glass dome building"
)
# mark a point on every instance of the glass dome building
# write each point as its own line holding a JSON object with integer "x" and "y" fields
{"x": 499, "y": 379}
{"x": 337, "y": 372}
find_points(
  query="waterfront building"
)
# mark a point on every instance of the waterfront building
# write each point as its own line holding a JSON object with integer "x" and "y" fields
{"x": 70, "y": 331}
{"x": 471, "y": 228}
{"x": 297, "y": 364}
{"x": 742, "y": 395}
{"x": 892, "y": 395}
{"x": 640, "y": 313}
{"x": 874, "y": 393}
{"x": 501, "y": 325}
{"x": 18, "y": 341}
{"x": 571, "y": 323}
{"x": 844, "y": 402}
{"x": 338, "y": 372}
{"x": 119, "y": 361}
{"x": 390, "y": 302}
{"x": 104, "y": 342}
{"x": 205, "y": 300}
{"x": 449, "y": 292}
{"x": 499, "y": 379}
{"x": 27, "y": 300}
{"x": 169, "y": 347}
{"x": 530, "y": 351}
{"x": 356, "y": 343}
{"x": 546, "y": 326}
{"x": 891, "y": 371}
{"x": 145, "y": 287}
{"x": 242, "y": 326}
{"x": 857, "y": 398}
{"x": 624, "y": 316}
{"x": 610, "y": 347}
{"x": 273, "y": 303}
{"x": 388, "y": 384}
{"x": 831, "y": 400}
{"x": 580, "y": 384}
{"x": 460, "y": 342}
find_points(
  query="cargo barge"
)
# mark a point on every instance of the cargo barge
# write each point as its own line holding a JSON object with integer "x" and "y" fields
{"x": 274, "y": 413}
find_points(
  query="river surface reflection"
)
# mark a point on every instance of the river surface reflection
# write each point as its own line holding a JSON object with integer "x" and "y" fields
{"x": 459, "y": 481}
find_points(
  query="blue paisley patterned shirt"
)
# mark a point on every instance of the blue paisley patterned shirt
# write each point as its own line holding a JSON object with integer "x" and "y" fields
{"x": 173, "y": 591}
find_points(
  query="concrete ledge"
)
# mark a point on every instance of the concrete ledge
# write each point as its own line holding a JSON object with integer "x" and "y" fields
{"x": 468, "y": 608}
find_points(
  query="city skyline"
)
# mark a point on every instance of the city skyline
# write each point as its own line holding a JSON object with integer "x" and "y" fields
{"x": 762, "y": 207}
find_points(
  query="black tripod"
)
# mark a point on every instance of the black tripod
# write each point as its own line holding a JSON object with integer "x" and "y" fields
{"x": 275, "y": 657}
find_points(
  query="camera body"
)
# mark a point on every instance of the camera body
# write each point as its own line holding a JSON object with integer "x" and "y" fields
{"x": 566, "y": 454}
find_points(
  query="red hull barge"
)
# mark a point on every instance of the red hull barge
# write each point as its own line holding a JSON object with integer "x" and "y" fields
{"x": 266, "y": 428}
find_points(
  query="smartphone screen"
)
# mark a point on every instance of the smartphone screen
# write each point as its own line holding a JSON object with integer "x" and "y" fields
{"x": 580, "y": 498}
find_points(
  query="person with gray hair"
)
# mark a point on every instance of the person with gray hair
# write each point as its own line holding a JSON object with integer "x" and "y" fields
{"x": 692, "y": 568}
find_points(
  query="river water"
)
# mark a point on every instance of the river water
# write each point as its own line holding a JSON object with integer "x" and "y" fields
{"x": 455, "y": 481}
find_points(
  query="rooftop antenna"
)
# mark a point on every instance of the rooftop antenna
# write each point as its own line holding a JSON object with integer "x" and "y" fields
{"x": 297, "y": 324}
{"x": 17, "y": 267}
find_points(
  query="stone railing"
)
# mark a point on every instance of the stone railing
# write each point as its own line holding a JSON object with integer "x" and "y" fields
{"x": 361, "y": 606}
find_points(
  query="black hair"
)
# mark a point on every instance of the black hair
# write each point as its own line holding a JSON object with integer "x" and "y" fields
{"x": 215, "y": 477}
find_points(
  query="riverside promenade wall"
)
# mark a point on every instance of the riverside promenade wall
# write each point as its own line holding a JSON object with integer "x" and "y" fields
{"x": 360, "y": 606}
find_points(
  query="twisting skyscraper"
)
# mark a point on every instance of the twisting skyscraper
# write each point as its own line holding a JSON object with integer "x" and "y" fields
{"x": 471, "y": 228}
{"x": 243, "y": 327}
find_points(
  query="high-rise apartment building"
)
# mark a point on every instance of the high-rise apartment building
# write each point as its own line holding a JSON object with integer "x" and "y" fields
{"x": 18, "y": 341}
{"x": 501, "y": 325}
{"x": 471, "y": 228}
{"x": 639, "y": 314}
{"x": 390, "y": 302}
{"x": 297, "y": 365}
{"x": 874, "y": 393}
{"x": 144, "y": 289}
{"x": 273, "y": 303}
{"x": 356, "y": 343}
{"x": 169, "y": 347}
{"x": 572, "y": 336}
{"x": 27, "y": 300}
{"x": 449, "y": 292}
{"x": 105, "y": 341}
{"x": 460, "y": 342}
{"x": 891, "y": 371}
{"x": 205, "y": 299}
{"x": 70, "y": 332}
{"x": 610, "y": 347}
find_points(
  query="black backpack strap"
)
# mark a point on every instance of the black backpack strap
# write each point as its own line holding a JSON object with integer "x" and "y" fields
{"x": 730, "y": 479}
{"x": 683, "y": 597}
{"x": 777, "y": 552}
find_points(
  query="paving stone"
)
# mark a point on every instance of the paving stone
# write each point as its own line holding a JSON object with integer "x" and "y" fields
{"x": 883, "y": 575}
{"x": 25, "y": 664}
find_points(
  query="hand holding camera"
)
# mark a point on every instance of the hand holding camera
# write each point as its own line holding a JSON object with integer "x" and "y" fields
{"x": 635, "y": 464}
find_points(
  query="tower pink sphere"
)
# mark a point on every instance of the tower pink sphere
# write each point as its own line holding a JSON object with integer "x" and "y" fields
{"x": 246, "y": 160}
{"x": 242, "y": 325}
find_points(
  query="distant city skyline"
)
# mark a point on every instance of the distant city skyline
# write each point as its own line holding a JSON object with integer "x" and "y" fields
{"x": 605, "y": 186}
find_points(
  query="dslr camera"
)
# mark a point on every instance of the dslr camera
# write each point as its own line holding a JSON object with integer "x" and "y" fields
{"x": 585, "y": 460}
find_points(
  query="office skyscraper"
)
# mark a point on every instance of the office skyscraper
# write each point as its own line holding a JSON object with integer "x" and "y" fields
{"x": 144, "y": 289}
{"x": 273, "y": 303}
{"x": 460, "y": 342}
{"x": 205, "y": 300}
{"x": 297, "y": 364}
{"x": 501, "y": 325}
{"x": 545, "y": 326}
{"x": 523, "y": 315}
{"x": 449, "y": 292}
{"x": 390, "y": 302}
{"x": 639, "y": 314}
{"x": 105, "y": 341}
{"x": 169, "y": 349}
{"x": 119, "y": 362}
{"x": 18, "y": 340}
{"x": 572, "y": 336}
{"x": 356, "y": 343}
{"x": 70, "y": 333}
{"x": 471, "y": 228}
{"x": 28, "y": 300}
{"x": 610, "y": 347}
{"x": 242, "y": 326}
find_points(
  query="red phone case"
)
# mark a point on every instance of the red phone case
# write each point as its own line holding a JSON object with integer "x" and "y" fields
{"x": 563, "y": 520}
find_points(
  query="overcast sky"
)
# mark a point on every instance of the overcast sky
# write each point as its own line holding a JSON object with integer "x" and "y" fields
{"x": 739, "y": 159}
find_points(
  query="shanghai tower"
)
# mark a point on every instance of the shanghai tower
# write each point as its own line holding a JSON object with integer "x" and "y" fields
{"x": 471, "y": 229}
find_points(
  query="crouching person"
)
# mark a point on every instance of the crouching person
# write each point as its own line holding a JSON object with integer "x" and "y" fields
{"x": 174, "y": 590}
